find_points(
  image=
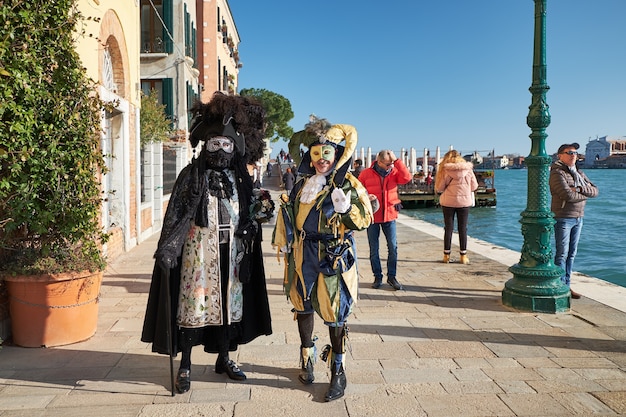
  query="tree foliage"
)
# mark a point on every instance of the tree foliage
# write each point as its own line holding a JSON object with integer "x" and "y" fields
{"x": 154, "y": 124}
{"x": 50, "y": 154}
{"x": 277, "y": 112}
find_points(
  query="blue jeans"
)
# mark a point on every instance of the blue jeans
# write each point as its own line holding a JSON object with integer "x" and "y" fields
{"x": 566, "y": 235}
{"x": 373, "y": 234}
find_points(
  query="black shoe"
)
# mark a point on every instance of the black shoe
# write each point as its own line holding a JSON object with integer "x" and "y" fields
{"x": 394, "y": 283}
{"x": 183, "y": 381}
{"x": 377, "y": 284}
{"x": 337, "y": 385}
{"x": 231, "y": 369}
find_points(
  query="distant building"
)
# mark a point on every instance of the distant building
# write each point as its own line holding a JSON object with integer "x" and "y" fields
{"x": 518, "y": 162}
{"x": 487, "y": 162}
{"x": 219, "y": 61}
{"x": 501, "y": 161}
{"x": 606, "y": 152}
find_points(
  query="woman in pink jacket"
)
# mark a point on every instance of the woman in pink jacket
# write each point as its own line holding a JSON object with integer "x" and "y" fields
{"x": 456, "y": 182}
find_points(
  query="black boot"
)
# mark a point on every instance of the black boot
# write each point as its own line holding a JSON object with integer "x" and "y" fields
{"x": 224, "y": 364}
{"x": 307, "y": 359}
{"x": 183, "y": 381}
{"x": 337, "y": 383}
{"x": 338, "y": 338}
{"x": 394, "y": 283}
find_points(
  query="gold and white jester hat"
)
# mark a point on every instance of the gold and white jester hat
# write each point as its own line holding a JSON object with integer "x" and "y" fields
{"x": 339, "y": 133}
{"x": 320, "y": 131}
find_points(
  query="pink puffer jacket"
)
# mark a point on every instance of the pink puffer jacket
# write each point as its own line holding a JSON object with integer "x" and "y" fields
{"x": 456, "y": 183}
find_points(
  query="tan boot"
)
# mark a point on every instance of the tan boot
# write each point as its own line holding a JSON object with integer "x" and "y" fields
{"x": 464, "y": 259}
{"x": 446, "y": 258}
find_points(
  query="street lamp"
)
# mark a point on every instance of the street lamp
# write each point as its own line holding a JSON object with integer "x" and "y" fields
{"x": 536, "y": 284}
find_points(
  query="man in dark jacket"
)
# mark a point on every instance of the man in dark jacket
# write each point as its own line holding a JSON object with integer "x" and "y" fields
{"x": 570, "y": 189}
{"x": 358, "y": 167}
{"x": 288, "y": 180}
{"x": 208, "y": 285}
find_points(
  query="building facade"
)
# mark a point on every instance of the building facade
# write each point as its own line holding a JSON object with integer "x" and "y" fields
{"x": 110, "y": 53}
{"x": 606, "y": 152}
{"x": 169, "y": 67}
{"x": 131, "y": 48}
{"x": 218, "y": 60}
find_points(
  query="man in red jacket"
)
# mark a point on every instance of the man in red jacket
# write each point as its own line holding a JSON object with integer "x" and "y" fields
{"x": 382, "y": 180}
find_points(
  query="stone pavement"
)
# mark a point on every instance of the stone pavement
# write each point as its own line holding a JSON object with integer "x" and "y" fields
{"x": 445, "y": 346}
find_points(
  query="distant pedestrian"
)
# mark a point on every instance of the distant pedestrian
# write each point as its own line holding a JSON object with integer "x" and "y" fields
{"x": 381, "y": 180}
{"x": 358, "y": 167}
{"x": 456, "y": 182}
{"x": 269, "y": 168}
{"x": 288, "y": 180}
{"x": 256, "y": 175}
{"x": 570, "y": 189}
{"x": 429, "y": 179}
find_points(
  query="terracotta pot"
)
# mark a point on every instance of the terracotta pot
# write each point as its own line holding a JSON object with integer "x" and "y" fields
{"x": 53, "y": 310}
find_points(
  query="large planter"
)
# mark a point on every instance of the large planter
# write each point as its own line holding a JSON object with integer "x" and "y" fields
{"x": 53, "y": 310}
{"x": 5, "y": 318}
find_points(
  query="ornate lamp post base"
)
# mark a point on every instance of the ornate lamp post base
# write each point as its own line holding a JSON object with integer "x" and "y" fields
{"x": 530, "y": 290}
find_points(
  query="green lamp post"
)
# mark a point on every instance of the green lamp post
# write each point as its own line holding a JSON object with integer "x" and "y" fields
{"x": 536, "y": 284}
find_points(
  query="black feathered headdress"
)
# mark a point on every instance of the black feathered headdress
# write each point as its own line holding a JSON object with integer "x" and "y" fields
{"x": 240, "y": 118}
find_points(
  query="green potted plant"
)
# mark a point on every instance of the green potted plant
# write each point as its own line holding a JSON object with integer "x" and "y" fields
{"x": 51, "y": 163}
{"x": 154, "y": 125}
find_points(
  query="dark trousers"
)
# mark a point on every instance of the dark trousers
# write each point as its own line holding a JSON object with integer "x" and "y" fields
{"x": 462, "y": 215}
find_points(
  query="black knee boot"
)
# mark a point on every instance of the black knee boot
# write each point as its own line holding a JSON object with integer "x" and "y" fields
{"x": 338, "y": 380}
{"x": 307, "y": 348}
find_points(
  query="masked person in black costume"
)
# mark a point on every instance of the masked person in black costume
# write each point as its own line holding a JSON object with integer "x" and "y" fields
{"x": 209, "y": 251}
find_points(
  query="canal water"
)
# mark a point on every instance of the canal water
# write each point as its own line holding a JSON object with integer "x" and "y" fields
{"x": 602, "y": 246}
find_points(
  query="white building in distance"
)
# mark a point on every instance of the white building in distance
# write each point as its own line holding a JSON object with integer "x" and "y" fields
{"x": 601, "y": 150}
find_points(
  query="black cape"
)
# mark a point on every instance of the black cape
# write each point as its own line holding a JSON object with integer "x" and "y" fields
{"x": 185, "y": 204}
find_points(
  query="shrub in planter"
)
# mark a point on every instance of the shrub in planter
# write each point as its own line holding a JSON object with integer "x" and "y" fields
{"x": 50, "y": 154}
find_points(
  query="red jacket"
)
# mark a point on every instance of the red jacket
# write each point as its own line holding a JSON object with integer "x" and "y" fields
{"x": 385, "y": 189}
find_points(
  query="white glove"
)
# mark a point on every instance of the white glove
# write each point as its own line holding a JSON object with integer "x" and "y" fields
{"x": 341, "y": 201}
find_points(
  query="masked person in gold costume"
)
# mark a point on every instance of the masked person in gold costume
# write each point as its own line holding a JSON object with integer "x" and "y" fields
{"x": 314, "y": 231}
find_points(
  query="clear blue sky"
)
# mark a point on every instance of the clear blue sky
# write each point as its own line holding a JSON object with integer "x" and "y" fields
{"x": 418, "y": 73}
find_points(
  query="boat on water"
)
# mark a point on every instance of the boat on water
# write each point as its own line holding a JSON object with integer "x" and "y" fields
{"x": 421, "y": 193}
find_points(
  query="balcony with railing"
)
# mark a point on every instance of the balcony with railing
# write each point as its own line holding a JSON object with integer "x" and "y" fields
{"x": 153, "y": 46}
